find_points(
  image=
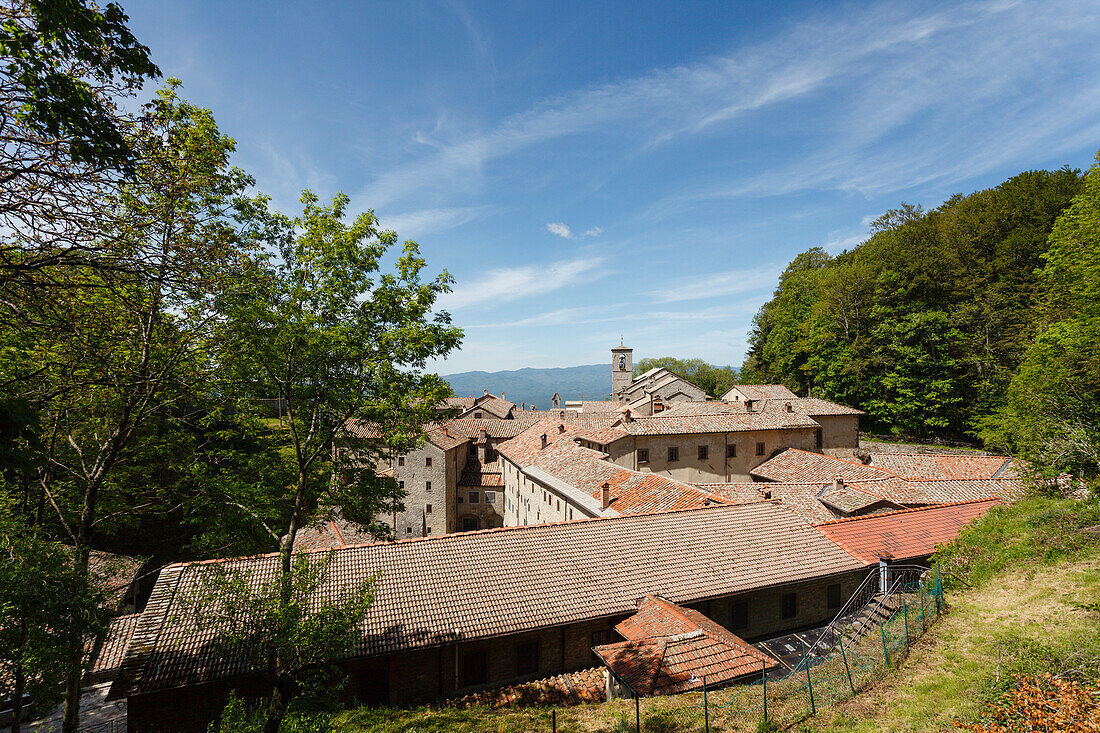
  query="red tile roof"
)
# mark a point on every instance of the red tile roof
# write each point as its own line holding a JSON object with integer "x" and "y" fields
{"x": 662, "y": 424}
{"x": 801, "y": 466}
{"x": 670, "y": 649}
{"x": 574, "y": 688}
{"x": 945, "y": 466}
{"x": 115, "y": 644}
{"x": 905, "y": 534}
{"x": 801, "y": 405}
{"x": 762, "y": 391}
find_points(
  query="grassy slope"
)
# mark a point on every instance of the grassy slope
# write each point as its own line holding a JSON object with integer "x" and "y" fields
{"x": 1034, "y": 607}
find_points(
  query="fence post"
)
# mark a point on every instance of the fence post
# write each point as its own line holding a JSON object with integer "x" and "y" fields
{"x": 938, "y": 588}
{"x": 554, "y": 720}
{"x": 905, "y": 608}
{"x": 706, "y": 707}
{"x": 637, "y": 714}
{"x": 922, "y": 625}
{"x": 809, "y": 682}
{"x": 764, "y": 677}
{"x": 885, "y": 654}
{"x": 847, "y": 670}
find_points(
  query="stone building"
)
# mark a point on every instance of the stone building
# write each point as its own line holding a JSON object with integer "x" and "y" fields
{"x": 659, "y": 383}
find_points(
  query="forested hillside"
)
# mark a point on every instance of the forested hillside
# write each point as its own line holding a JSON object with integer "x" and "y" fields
{"x": 926, "y": 324}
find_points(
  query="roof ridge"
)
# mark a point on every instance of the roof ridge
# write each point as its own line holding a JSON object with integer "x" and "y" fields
{"x": 907, "y": 511}
{"x": 845, "y": 460}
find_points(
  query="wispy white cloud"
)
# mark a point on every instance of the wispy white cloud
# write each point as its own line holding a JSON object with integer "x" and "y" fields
{"x": 593, "y": 232}
{"x": 413, "y": 224}
{"x": 720, "y": 284}
{"x": 508, "y": 284}
{"x": 562, "y": 230}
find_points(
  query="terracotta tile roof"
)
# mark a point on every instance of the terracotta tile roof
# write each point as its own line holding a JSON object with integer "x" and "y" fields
{"x": 574, "y": 688}
{"x": 460, "y": 403}
{"x": 113, "y": 572}
{"x": 762, "y": 391}
{"x": 810, "y": 406}
{"x": 801, "y": 466}
{"x": 631, "y": 492}
{"x": 906, "y": 534}
{"x": 670, "y": 649}
{"x": 497, "y": 406}
{"x": 662, "y": 424}
{"x": 848, "y": 500}
{"x": 521, "y": 449}
{"x": 945, "y": 465}
{"x": 592, "y": 406}
{"x": 330, "y": 533}
{"x": 470, "y": 427}
{"x": 528, "y": 578}
{"x": 113, "y": 650}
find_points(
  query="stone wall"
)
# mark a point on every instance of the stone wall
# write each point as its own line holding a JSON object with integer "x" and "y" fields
{"x": 839, "y": 435}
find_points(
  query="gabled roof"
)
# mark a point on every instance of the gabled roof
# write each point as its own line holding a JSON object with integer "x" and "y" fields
{"x": 811, "y": 406}
{"x": 800, "y": 466}
{"x": 945, "y": 466}
{"x": 761, "y": 392}
{"x": 495, "y": 406}
{"x": 528, "y": 578}
{"x": 669, "y": 649}
{"x": 662, "y": 424}
{"x": 114, "y": 647}
{"x": 906, "y": 534}
{"x": 655, "y": 379}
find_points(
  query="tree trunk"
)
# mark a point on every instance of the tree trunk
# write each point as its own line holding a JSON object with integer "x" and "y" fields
{"x": 20, "y": 682}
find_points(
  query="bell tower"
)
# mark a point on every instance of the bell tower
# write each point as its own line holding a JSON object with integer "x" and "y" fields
{"x": 622, "y": 369}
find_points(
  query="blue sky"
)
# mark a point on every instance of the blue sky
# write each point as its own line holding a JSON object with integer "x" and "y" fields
{"x": 590, "y": 170}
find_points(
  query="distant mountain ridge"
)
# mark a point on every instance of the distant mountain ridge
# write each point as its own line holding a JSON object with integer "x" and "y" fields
{"x": 537, "y": 386}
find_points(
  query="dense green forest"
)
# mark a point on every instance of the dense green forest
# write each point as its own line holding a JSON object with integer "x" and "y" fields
{"x": 956, "y": 322}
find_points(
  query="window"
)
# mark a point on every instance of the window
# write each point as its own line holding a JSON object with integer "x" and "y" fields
{"x": 490, "y": 497}
{"x": 703, "y": 452}
{"x": 428, "y": 509}
{"x": 788, "y": 605}
{"x": 731, "y": 451}
{"x": 458, "y": 500}
{"x": 833, "y": 593}
{"x": 490, "y": 455}
{"x": 401, "y": 460}
{"x": 475, "y": 497}
{"x": 427, "y": 460}
{"x": 475, "y": 668}
{"x": 427, "y": 530}
{"x": 673, "y": 454}
{"x": 477, "y": 415}
{"x": 427, "y": 485}
{"x": 469, "y": 524}
{"x": 527, "y": 658}
{"x": 401, "y": 484}
{"x": 739, "y": 615}
{"x": 408, "y": 530}
{"x": 643, "y": 455}
{"x": 818, "y": 441}
{"x": 759, "y": 449}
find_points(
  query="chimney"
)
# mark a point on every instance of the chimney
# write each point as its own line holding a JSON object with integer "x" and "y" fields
{"x": 627, "y": 417}
{"x": 561, "y": 414}
{"x": 838, "y": 483}
{"x": 483, "y": 446}
{"x": 544, "y": 440}
{"x": 502, "y": 395}
{"x": 561, "y": 428}
{"x": 767, "y": 493}
{"x": 605, "y": 495}
{"x": 486, "y": 393}
{"x": 748, "y": 405}
{"x": 523, "y": 405}
{"x": 789, "y": 408}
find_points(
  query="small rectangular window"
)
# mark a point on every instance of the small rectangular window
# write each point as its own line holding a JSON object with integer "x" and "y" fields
{"x": 527, "y": 658}
{"x": 475, "y": 497}
{"x": 788, "y": 607}
{"x": 401, "y": 484}
{"x": 427, "y": 460}
{"x": 643, "y": 455}
{"x": 818, "y": 440}
{"x": 703, "y": 452}
{"x": 673, "y": 454}
{"x": 731, "y": 451}
{"x": 401, "y": 460}
{"x": 408, "y": 530}
{"x": 833, "y": 593}
{"x": 427, "y": 485}
{"x": 759, "y": 449}
{"x": 458, "y": 499}
{"x": 490, "y": 497}
{"x": 428, "y": 530}
{"x": 428, "y": 509}
{"x": 739, "y": 615}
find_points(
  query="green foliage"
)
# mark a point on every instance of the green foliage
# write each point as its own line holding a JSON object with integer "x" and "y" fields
{"x": 1052, "y": 413}
{"x": 51, "y": 51}
{"x": 45, "y": 608}
{"x": 715, "y": 380}
{"x": 925, "y": 324}
{"x": 1034, "y": 530}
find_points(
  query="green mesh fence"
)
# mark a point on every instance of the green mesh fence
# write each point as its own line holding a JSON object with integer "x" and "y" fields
{"x": 860, "y": 654}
